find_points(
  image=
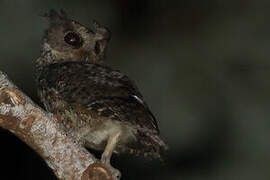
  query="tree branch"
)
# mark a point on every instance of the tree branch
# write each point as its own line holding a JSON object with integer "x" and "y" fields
{"x": 41, "y": 131}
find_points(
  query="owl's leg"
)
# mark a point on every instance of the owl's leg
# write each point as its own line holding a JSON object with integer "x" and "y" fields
{"x": 111, "y": 144}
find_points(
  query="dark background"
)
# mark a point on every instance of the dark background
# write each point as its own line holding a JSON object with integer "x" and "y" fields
{"x": 203, "y": 67}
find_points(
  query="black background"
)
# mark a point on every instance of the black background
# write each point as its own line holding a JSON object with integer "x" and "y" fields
{"x": 203, "y": 67}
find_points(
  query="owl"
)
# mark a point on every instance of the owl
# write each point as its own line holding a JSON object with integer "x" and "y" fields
{"x": 100, "y": 106}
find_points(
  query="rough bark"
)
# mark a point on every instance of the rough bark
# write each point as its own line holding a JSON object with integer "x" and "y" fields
{"x": 41, "y": 131}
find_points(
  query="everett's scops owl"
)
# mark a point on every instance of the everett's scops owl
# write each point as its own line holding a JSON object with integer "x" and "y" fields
{"x": 101, "y": 106}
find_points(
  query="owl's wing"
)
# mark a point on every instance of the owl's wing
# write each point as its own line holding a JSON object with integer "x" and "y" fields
{"x": 102, "y": 90}
{"x": 127, "y": 109}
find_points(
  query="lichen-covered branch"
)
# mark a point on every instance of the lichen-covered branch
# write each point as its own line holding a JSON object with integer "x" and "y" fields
{"x": 37, "y": 128}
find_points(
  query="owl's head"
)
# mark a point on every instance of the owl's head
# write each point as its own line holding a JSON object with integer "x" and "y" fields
{"x": 68, "y": 40}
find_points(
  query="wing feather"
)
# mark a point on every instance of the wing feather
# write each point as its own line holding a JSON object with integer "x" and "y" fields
{"x": 100, "y": 89}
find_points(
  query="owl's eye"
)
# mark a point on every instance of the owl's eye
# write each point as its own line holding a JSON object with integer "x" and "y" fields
{"x": 97, "y": 47}
{"x": 73, "y": 39}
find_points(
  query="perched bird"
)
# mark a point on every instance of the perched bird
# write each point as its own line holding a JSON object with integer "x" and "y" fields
{"x": 99, "y": 105}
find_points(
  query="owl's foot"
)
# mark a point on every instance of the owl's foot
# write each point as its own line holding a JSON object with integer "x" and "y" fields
{"x": 115, "y": 172}
{"x": 111, "y": 144}
{"x": 107, "y": 154}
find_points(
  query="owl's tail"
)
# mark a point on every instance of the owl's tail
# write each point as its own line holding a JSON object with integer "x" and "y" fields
{"x": 148, "y": 145}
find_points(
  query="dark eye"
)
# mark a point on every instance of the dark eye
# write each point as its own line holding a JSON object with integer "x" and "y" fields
{"x": 73, "y": 39}
{"x": 97, "y": 47}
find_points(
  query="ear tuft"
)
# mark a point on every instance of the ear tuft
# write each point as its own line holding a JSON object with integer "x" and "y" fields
{"x": 102, "y": 32}
{"x": 63, "y": 13}
{"x": 54, "y": 17}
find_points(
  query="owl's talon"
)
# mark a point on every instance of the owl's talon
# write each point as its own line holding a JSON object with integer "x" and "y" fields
{"x": 105, "y": 160}
{"x": 111, "y": 144}
{"x": 115, "y": 172}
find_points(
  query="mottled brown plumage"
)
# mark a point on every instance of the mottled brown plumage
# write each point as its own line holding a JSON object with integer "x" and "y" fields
{"x": 100, "y": 106}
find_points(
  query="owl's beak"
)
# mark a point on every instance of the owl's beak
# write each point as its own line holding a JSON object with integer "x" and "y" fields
{"x": 89, "y": 57}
